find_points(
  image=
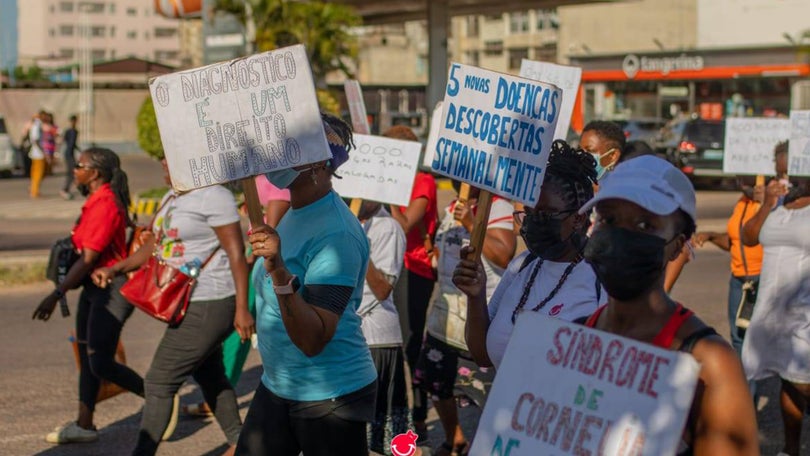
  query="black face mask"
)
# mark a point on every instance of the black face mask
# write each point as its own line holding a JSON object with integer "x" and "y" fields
{"x": 628, "y": 263}
{"x": 542, "y": 236}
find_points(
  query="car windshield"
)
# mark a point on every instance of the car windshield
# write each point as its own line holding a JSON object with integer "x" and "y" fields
{"x": 704, "y": 131}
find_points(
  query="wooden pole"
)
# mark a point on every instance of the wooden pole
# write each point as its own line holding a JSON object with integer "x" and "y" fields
{"x": 357, "y": 111}
{"x": 254, "y": 207}
{"x": 479, "y": 231}
{"x": 760, "y": 180}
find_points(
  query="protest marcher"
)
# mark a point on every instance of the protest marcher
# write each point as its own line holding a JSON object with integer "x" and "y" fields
{"x": 99, "y": 236}
{"x": 419, "y": 221}
{"x": 645, "y": 213}
{"x": 36, "y": 154}
{"x": 550, "y": 277}
{"x": 776, "y": 341}
{"x": 444, "y": 356}
{"x": 785, "y": 190}
{"x": 50, "y": 133}
{"x": 746, "y": 262}
{"x": 606, "y": 141}
{"x": 189, "y": 228}
{"x": 69, "y": 156}
{"x": 319, "y": 384}
{"x": 235, "y": 350}
{"x": 380, "y": 323}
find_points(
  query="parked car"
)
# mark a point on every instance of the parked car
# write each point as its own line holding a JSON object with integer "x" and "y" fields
{"x": 642, "y": 129}
{"x": 7, "y": 152}
{"x": 696, "y": 146}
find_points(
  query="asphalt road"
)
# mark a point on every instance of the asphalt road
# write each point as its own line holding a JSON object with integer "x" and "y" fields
{"x": 38, "y": 374}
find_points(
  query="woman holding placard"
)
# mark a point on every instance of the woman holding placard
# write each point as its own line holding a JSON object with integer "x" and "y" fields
{"x": 645, "y": 213}
{"x": 777, "y": 341}
{"x": 319, "y": 384}
{"x": 550, "y": 277}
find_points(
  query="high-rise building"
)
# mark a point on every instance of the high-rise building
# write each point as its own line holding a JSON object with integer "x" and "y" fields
{"x": 51, "y": 31}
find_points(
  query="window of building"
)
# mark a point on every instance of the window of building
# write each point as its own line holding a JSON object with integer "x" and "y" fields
{"x": 494, "y": 17}
{"x": 91, "y": 7}
{"x": 146, "y": 35}
{"x": 132, "y": 34}
{"x": 98, "y": 54}
{"x": 66, "y": 53}
{"x": 65, "y": 30}
{"x": 112, "y": 8}
{"x": 519, "y": 22}
{"x": 162, "y": 56}
{"x": 112, "y": 53}
{"x": 472, "y": 26}
{"x": 516, "y": 56}
{"x": 51, "y": 32}
{"x": 66, "y": 7}
{"x": 547, "y": 19}
{"x": 112, "y": 31}
{"x": 546, "y": 53}
{"x": 132, "y": 12}
{"x": 473, "y": 58}
{"x": 51, "y": 9}
{"x": 97, "y": 30}
{"x": 493, "y": 47}
{"x": 165, "y": 32}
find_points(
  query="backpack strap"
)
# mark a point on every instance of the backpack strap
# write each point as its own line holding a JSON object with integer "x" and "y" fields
{"x": 689, "y": 343}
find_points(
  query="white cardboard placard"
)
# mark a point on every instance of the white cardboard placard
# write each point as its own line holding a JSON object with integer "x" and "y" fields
{"x": 237, "y": 119}
{"x": 357, "y": 107}
{"x": 563, "y": 388}
{"x": 799, "y": 149}
{"x": 496, "y": 132}
{"x": 749, "y": 144}
{"x": 433, "y": 135}
{"x": 379, "y": 169}
{"x": 565, "y": 77}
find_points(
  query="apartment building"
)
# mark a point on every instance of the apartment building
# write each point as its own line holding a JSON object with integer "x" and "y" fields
{"x": 51, "y": 31}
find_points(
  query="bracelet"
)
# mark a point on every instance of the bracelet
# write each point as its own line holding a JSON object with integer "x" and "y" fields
{"x": 58, "y": 294}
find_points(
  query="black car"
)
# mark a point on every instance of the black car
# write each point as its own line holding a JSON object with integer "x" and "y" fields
{"x": 696, "y": 146}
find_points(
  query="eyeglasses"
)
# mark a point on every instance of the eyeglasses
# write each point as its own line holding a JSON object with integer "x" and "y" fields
{"x": 544, "y": 216}
{"x": 82, "y": 166}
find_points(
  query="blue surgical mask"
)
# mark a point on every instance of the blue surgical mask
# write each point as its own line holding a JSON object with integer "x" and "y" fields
{"x": 282, "y": 178}
{"x": 601, "y": 170}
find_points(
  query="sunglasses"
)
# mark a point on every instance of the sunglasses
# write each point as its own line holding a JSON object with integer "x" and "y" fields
{"x": 519, "y": 216}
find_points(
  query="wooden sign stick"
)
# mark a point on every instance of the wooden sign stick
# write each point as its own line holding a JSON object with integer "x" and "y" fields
{"x": 760, "y": 180}
{"x": 254, "y": 207}
{"x": 479, "y": 231}
{"x": 357, "y": 111}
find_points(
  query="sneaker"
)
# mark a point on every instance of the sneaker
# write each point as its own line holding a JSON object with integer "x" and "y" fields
{"x": 66, "y": 195}
{"x": 173, "y": 419}
{"x": 72, "y": 433}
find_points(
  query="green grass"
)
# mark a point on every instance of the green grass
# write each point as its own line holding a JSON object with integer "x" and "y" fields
{"x": 22, "y": 273}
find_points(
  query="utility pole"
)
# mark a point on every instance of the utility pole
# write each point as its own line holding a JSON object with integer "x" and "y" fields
{"x": 85, "y": 78}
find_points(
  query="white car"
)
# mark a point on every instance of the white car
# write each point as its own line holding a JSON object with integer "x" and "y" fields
{"x": 7, "y": 160}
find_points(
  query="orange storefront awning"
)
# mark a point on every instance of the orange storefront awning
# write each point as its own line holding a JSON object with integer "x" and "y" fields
{"x": 725, "y": 72}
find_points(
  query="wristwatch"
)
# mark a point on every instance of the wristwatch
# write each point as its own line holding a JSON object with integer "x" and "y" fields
{"x": 58, "y": 294}
{"x": 291, "y": 287}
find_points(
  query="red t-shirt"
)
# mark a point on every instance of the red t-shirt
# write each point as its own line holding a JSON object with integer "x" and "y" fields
{"x": 416, "y": 258}
{"x": 102, "y": 227}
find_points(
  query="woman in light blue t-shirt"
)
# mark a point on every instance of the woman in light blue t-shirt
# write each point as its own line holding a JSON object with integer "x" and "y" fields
{"x": 318, "y": 388}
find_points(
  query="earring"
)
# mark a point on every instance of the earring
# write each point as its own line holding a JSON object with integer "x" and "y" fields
{"x": 314, "y": 177}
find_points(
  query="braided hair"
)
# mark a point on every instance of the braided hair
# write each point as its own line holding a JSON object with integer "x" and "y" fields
{"x": 572, "y": 172}
{"x": 108, "y": 165}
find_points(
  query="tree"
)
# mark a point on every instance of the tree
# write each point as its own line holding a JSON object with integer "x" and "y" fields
{"x": 324, "y": 28}
{"x": 148, "y": 133}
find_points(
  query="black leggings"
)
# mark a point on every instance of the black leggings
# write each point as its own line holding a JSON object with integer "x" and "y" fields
{"x": 192, "y": 348}
{"x": 271, "y": 430}
{"x": 100, "y": 317}
{"x": 420, "y": 290}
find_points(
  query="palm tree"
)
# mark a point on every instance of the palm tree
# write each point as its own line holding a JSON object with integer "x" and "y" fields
{"x": 324, "y": 28}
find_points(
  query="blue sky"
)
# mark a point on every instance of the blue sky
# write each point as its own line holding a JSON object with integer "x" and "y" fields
{"x": 8, "y": 33}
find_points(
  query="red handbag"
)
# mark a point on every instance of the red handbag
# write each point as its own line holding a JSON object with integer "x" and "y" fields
{"x": 160, "y": 290}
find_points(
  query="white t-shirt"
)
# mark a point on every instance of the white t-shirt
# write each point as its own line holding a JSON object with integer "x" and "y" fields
{"x": 187, "y": 224}
{"x": 34, "y": 135}
{"x": 576, "y": 298}
{"x": 387, "y": 251}
{"x": 450, "y": 237}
